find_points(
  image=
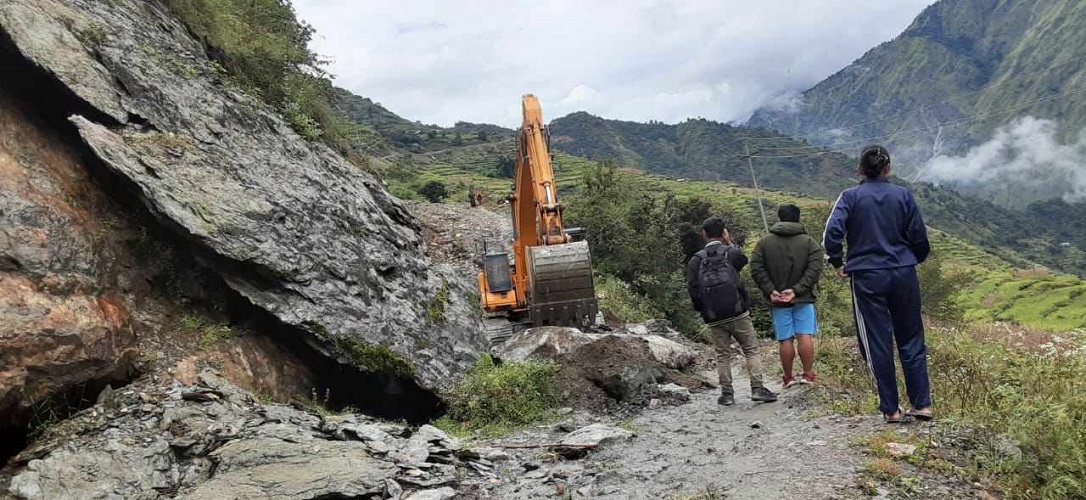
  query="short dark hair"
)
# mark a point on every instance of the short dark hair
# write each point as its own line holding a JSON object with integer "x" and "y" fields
{"x": 873, "y": 161}
{"x": 787, "y": 212}
{"x": 713, "y": 227}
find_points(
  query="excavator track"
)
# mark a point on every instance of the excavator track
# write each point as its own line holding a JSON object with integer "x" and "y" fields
{"x": 561, "y": 286}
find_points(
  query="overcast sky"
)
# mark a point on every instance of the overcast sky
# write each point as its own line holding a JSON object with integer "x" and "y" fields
{"x": 441, "y": 61}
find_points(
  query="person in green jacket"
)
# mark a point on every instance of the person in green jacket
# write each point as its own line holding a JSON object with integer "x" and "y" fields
{"x": 786, "y": 265}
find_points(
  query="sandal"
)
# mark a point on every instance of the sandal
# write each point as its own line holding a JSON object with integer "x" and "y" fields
{"x": 921, "y": 415}
{"x": 891, "y": 419}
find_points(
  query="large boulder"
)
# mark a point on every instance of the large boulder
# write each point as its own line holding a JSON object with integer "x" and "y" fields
{"x": 288, "y": 224}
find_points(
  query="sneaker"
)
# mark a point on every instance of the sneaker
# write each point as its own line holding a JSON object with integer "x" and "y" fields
{"x": 762, "y": 394}
{"x": 726, "y": 399}
{"x": 789, "y": 381}
{"x": 808, "y": 378}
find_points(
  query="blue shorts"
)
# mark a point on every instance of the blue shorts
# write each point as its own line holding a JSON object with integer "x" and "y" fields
{"x": 790, "y": 321}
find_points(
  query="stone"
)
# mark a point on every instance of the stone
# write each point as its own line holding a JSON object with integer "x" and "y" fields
{"x": 636, "y": 383}
{"x": 1008, "y": 448}
{"x": 492, "y": 454}
{"x": 271, "y": 468}
{"x": 595, "y": 435}
{"x": 393, "y": 490}
{"x": 757, "y": 424}
{"x": 900, "y": 450}
{"x": 671, "y": 353}
{"x": 551, "y": 342}
{"x": 541, "y": 343}
{"x": 445, "y": 493}
{"x": 675, "y": 393}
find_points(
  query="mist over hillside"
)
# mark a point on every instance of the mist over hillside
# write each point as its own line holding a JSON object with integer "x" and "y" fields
{"x": 969, "y": 96}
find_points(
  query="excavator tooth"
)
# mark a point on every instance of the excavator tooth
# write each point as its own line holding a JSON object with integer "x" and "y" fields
{"x": 561, "y": 288}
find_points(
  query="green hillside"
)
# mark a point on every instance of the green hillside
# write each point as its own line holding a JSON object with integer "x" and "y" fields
{"x": 962, "y": 69}
{"x": 698, "y": 148}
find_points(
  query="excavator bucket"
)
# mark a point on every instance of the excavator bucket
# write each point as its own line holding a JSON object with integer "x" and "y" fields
{"x": 562, "y": 292}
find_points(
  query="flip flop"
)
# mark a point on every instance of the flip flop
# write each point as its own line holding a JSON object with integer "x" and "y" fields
{"x": 923, "y": 416}
{"x": 891, "y": 420}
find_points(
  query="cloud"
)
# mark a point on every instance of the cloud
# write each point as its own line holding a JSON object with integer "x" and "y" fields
{"x": 439, "y": 61}
{"x": 579, "y": 95}
{"x": 1024, "y": 153}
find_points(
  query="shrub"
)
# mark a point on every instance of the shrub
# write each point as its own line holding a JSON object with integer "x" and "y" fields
{"x": 501, "y": 396}
{"x": 265, "y": 48}
{"x": 434, "y": 191}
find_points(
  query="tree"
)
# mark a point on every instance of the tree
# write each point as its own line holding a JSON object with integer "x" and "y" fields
{"x": 937, "y": 291}
{"x": 505, "y": 167}
{"x": 434, "y": 191}
{"x": 483, "y": 135}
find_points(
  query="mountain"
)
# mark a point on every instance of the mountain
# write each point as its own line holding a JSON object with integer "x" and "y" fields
{"x": 702, "y": 149}
{"x": 395, "y": 133}
{"x": 964, "y": 75}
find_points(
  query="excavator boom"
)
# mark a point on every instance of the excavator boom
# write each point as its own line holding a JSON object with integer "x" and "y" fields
{"x": 550, "y": 280}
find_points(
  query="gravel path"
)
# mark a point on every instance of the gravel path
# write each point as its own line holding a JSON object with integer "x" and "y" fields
{"x": 703, "y": 450}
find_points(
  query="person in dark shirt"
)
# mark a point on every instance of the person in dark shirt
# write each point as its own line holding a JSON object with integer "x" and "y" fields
{"x": 717, "y": 292}
{"x": 886, "y": 238}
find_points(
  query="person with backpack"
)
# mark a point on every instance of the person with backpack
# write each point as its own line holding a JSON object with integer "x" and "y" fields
{"x": 886, "y": 237}
{"x": 786, "y": 265}
{"x": 712, "y": 279}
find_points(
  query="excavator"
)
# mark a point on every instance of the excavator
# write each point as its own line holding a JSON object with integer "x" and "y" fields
{"x": 549, "y": 282}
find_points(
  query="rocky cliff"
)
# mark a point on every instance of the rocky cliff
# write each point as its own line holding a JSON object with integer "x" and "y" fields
{"x": 311, "y": 245}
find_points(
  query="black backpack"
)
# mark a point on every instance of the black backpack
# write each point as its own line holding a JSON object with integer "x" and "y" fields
{"x": 721, "y": 290}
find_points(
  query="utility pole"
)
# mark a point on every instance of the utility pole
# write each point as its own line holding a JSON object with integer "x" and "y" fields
{"x": 757, "y": 190}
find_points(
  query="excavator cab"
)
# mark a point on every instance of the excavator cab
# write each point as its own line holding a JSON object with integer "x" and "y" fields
{"x": 549, "y": 281}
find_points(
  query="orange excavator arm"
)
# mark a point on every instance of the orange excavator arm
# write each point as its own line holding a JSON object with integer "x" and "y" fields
{"x": 550, "y": 278}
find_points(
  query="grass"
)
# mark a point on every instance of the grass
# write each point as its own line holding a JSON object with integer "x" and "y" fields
{"x": 374, "y": 358}
{"x": 1024, "y": 387}
{"x": 207, "y": 334}
{"x": 1035, "y": 297}
{"x": 619, "y": 302}
{"x": 435, "y": 310}
{"x": 493, "y": 399}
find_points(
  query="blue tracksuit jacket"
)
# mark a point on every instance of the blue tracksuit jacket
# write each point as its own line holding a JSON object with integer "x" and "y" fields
{"x": 890, "y": 233}
{"x": 886, "y": 240}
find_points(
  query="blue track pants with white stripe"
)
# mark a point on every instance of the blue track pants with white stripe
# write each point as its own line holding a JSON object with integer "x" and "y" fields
{"x": 887, "y": 308}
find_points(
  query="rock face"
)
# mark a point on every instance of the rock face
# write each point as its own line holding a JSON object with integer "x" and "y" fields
{"x": 64, "y": 318}
{"x": 288, "y": 224}
{"x": 213, "y": 441}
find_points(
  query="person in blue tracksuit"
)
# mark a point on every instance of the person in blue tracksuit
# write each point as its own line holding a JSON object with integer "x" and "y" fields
{"x": 881, "y": 224}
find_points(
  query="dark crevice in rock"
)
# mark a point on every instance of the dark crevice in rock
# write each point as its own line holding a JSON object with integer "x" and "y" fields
{"x": 56, "y": 102}
{"x": 17, "y": 429}
{"x": 134, "y": 119}
{"x": 339, "y": 384}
